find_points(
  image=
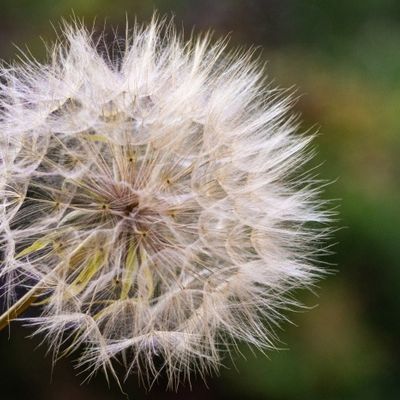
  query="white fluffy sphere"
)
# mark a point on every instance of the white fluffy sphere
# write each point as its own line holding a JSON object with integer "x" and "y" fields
{"x": 153, "y": 201}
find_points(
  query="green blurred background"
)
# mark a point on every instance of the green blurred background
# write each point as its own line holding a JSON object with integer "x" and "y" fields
{"x": 344, "y": 59}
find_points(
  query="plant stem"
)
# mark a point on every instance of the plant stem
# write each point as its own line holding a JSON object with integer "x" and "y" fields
{"x": 20, "y": 306}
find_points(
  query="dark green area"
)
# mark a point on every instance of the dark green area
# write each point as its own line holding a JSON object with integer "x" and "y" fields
{"x": 344, "y": 58}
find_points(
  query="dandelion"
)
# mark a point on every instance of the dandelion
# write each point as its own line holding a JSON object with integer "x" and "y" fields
{"x": 154, "y": 205}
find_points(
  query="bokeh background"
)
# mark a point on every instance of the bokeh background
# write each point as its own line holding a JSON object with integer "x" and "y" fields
{"x": 343, "y": 57}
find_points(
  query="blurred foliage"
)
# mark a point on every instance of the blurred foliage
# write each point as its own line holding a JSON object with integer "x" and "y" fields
{"x": 342, "y": 56}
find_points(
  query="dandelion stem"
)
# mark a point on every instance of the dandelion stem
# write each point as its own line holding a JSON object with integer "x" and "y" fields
{"x": 20, "y": 306}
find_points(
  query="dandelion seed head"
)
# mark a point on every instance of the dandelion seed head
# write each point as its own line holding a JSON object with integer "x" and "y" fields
{"x": 154, "y": 197}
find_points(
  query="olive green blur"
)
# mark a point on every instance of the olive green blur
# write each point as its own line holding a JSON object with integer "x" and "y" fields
{"x": 343, "y": 59}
